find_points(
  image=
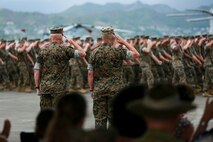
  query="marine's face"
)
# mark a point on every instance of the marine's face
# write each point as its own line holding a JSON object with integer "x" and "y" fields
{"x": 2, "y": 45}
{"x": 56, "y": 38}
{"x": 91, "y": 41}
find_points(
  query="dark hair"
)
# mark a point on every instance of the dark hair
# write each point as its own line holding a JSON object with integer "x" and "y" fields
{"x": 186, "y": 93}
{"x": 42, "y": 121}
{"x": 72, "y": 106}
{"x": 126, "y": 123}
{"x": 100, "y": 135}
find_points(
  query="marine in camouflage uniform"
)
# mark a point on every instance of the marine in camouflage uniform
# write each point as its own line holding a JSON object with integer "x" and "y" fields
{"x": 51, "y": 69}
{"x": 3, "y": 70}
{"x": 159, "y": 68}
{"x": 199, "y": 70}
{"x": 105, "y": 71}
{"x": 128, "y": 74}
{"x": 147, "y": 77}
{"x": 136, "y": 67}
{"x": 76, "y": 79}
{"x": 208, "y": 64}
{"x": 4, "y": 57}
{"x": 167, "y": 52}
{"x": 33, "y": 52}
{"x": 179, "y": 76}
{"x": 23, "y": 76}
{"x": 190, "y": 72}
{"x": 11, "y": 65}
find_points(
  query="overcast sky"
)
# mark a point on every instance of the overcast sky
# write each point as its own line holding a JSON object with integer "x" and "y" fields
{"x": 54, "y": 6}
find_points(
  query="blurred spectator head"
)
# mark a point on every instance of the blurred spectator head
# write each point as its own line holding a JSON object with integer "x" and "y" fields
{"x": 126, "y": 123}
{"x": 99, "y": 135}
{"x": 42, "y": 121}
{"x": 73, "y": 107}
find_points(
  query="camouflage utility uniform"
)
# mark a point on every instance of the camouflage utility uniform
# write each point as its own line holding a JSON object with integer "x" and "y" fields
{"x": 208, "y": 64}
{"x": 3, "y": 70}
{"x": 106, "y": 62}
{"x": 53, "y": 63}
{"x": 179, "y": 76}
{"x": 147, "y": 77}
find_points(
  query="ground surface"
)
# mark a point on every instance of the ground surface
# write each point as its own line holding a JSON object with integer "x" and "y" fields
{"x": 22, "y": 109}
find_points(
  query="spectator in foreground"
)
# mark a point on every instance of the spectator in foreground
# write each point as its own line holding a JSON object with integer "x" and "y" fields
{"x": 201, "y": 134}
{"x": 161, "y": 109}
{"x": 184, "y": 129}
{"x": 68, "y": 122}
{"x": 5, "y": 131}
{"x": 42, "y": 122}
{"x": 128, "y": 125}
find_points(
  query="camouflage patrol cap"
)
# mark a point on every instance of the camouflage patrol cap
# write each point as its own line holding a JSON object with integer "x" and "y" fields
{"x": 23, "y": 39}
{"x": 11, "y": 40}
{"x": 204, "y": 35}
{"x": 3, "y": 40}
{"x": 88, "y": 38}
{"x": 108, "y": 30}
{"x": 56, "y": 30}
{"x": 76, "y": 38}
{"x": 99, "y": 39}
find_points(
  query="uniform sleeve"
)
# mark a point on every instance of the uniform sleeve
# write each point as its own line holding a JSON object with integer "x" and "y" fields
{"x": 39, "y": 61}
{"x": 125, "y": 53}
{"x": 72, "y": 53}
{"x": 91, "y": 61}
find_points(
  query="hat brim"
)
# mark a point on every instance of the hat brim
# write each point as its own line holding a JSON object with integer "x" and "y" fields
{"x": 140, "y": 107}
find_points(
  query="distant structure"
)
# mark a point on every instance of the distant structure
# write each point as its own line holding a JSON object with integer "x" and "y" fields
{"x": 211, "y": 23}
{"x": 210, "y": 18}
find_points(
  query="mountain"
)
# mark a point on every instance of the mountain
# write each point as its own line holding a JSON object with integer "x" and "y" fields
{"x": 140, "y": 17}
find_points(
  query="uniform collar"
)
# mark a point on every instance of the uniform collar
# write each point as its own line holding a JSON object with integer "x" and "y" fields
{"x": 107, "y": 44}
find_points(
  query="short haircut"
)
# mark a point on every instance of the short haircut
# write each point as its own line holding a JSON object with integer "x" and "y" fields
{"x": 100, "y": 135}
{"x": 125, "y": 122}
{"x": 72, "y": 106}
{"x": 108, "y": 36}
{"x": 42, "y": 121}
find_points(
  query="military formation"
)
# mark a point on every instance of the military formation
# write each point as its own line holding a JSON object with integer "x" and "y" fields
{"x": 173, "y": 59}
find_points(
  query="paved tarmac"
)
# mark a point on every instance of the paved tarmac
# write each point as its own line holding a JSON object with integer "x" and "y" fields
{"x": 22, "y": 108}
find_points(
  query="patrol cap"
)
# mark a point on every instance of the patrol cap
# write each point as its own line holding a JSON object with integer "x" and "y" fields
{"x": 108, "y": 30}
{"x": 204, "y": 35}
{"x": 56, "y": 30}
{"x": 88, "y": 38}
{"x": 11, "y": 40}
{"x": 153, "y": 38}
{"x": 137, "y": 36}
{"x": 99, "y": 39}
{"x": 3, "y": 40}
{"x": 31, "y": 40}
{"x": 76, "y": 38}
{"x": 23, "y": 39}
